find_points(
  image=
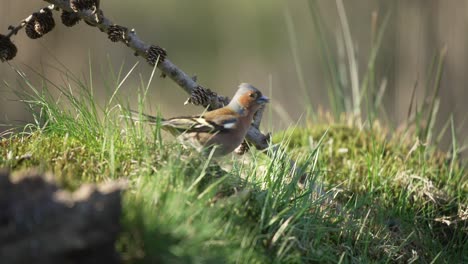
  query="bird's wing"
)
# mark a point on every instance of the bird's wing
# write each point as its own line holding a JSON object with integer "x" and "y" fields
{"x": 224, "y": 122}
{"x": 201, "y": 123}
{"x": 224, "y": 117}
{"x": 140, "y": 117}
{"x": 212, "y": 122}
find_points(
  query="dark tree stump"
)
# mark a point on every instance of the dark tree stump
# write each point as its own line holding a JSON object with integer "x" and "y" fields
{"x": 40, "y": 223}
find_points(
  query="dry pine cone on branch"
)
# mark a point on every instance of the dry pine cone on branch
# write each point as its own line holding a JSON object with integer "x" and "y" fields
{"x": 41, "y": 23}
{"x": 8, "y": 50}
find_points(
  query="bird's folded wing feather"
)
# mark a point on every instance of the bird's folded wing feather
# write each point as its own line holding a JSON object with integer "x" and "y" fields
{"x": 205, "y": 123}
{"x": 140, "y": 117}
{"x": 201, "y": 123}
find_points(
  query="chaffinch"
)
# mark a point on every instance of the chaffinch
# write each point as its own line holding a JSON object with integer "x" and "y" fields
{"x": 223, "y": 128}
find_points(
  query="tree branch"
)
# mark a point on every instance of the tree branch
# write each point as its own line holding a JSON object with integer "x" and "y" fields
{"x": 88, "y": 10}
{"x": 130, "y": 38}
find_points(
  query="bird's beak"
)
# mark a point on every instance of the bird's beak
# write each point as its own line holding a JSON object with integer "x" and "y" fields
{"x": 263, "y": 99}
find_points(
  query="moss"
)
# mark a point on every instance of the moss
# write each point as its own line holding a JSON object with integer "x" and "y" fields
{"x": 388, "y": 175}
{"x": 71, "y": 161}
{"x": 390, "y": 189}
{"x": 359, "y": 158}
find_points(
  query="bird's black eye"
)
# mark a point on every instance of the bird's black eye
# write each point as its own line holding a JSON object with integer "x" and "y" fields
{"x": 254, "y": 95}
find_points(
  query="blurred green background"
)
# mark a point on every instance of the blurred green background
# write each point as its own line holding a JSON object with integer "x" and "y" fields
{"x": 269, "y": 43}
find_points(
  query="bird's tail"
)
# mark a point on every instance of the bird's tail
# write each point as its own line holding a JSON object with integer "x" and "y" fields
{"x": 141, "y": 117}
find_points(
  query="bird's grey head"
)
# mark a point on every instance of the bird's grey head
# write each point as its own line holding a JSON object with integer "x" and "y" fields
{"x": 247, "y": 97}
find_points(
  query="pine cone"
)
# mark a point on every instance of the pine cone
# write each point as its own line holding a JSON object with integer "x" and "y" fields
{"x": 8, "y": 50}
{"x": 69, "y": 19}
{"x": 80, "y": 5}
{"x": 153, "y": 53}
{"x": 40, "y": 24}
{"x": 243, "y": 148}
{"x": 117, "y": 33}
{"x": 201, "y": 96}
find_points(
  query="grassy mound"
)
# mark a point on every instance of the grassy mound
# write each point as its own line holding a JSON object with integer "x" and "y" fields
{"x": 387, "y": 198}
{"x": 355, "y": 194}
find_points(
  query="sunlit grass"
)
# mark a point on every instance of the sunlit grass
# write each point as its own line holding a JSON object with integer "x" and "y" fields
{"x": 361, "y": 195}
{"x": 362, "y": 191}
